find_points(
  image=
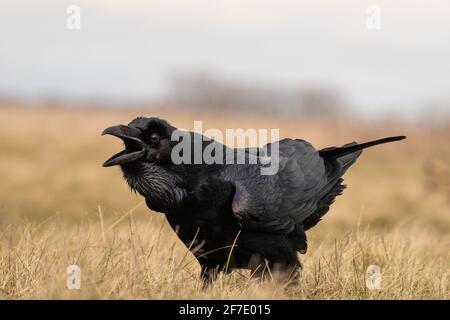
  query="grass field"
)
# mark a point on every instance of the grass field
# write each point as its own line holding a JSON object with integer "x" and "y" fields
{"x": 59, "y": 207}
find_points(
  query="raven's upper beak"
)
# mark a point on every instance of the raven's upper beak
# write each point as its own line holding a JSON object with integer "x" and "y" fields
{"x": 134, "y": 147}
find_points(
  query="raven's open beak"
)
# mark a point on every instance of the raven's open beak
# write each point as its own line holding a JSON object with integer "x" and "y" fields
{"x": 134, "y": 147}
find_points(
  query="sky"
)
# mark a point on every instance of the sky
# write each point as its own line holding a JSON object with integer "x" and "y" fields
{"x": 129, "y": 50}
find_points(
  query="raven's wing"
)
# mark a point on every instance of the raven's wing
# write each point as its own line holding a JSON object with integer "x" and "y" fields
{"x": 276, "y": 203}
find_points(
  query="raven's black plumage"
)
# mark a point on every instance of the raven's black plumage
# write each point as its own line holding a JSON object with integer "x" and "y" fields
{"x": 233, "y": 215}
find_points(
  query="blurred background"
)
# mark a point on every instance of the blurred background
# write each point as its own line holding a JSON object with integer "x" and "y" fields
{"x": 326, "y": 72}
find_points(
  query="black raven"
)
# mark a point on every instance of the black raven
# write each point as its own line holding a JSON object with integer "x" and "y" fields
{"x": 230, "y": 214}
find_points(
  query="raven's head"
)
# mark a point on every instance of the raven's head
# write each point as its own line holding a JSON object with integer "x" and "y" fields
{"x": 145, "y": 139}
{"x": 148, "y": 147}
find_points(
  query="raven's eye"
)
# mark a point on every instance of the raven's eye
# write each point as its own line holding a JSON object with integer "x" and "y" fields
{"x": 154, "y": 137}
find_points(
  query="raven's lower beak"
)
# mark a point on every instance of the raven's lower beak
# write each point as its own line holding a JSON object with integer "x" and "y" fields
{"x": 134, "y": 147}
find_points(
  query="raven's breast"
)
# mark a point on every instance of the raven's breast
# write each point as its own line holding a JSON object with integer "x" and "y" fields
{"x": 157, "y": 185}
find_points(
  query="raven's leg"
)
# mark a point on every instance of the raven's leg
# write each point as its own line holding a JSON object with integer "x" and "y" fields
{"x": 280, "y": 272}
{"x": 287, "y": 272}
{"x": 293, "y": 274}
{"x": 258, "y": 267}
{"x": 208, "y": 276}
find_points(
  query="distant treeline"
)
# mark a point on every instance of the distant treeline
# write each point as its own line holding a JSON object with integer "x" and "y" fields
{"x": 204, "y": 91}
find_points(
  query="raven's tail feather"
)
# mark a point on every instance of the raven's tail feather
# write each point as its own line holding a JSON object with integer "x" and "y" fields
{"x": 337, "y": 161}
{"x": 336, "y": 152}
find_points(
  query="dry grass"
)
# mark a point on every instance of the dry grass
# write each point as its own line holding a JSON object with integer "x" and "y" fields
{"x": 395, "y": 214}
